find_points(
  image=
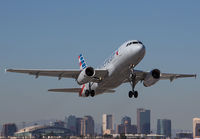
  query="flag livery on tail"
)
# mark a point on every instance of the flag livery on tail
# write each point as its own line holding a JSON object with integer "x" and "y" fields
{"x": 82, "y": 67}
{"x": 82, "y": 62}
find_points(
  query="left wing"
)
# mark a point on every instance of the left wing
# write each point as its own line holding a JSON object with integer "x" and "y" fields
{"x": 71, "y": 73}
{"x": 53, "y": 73}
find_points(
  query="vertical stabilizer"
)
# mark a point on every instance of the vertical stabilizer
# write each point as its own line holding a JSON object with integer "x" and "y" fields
{"x": 82, "y": 62}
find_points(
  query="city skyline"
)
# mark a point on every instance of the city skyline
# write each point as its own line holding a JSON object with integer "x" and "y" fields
{"x": 71, "y": 120}
{"x": 86, "y": 126}
{"x": 41, "y": 34}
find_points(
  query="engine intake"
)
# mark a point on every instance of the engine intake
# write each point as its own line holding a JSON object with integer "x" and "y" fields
{"x": 86, "y": 75}
{"x": 152, "y": 78}
{"x": 89, "y": 71}
{"x": 155, "y": 73}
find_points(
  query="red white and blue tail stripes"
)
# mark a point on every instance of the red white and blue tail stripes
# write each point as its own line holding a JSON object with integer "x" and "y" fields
{"x": 82, "y": 65}
{"x": 82, "y": 62}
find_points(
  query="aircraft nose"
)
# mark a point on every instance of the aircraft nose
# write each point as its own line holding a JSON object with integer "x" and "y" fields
{"x": 141, "y": 49}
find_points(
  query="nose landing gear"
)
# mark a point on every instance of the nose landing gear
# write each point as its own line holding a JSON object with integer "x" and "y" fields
{"x": 133, "y": 82}
{"x": 133, "y": 93}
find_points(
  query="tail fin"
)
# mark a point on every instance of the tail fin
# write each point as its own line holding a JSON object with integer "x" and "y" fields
{"x": 82, "y": 62}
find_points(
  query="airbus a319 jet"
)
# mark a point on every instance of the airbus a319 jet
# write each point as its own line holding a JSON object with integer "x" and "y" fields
{"x": 117, "y": 69}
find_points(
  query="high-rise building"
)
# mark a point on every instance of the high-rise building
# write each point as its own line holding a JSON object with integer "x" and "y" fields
{"x": 78, "y": 126}
{"x": 164, "y": 127}
{"x": 121, "y": 129}
{"x": 89, "y": 125}
{"x": 126, "y": 120}
{"x": 107, "y": 124}
{"x": 85, "y": 126}
{"x": 196, "y": 128}
{"x": 143, "y": 121}
{"x": 66, "y": 120}
{"x": 125, "y": 127}
{"x": 8, "y": 129}
{"x": 71, "y": 124}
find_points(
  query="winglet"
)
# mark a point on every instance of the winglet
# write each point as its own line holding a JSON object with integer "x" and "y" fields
{"x": 82, "y": 62}
{"x": 8, "y": 70}
{"x": 195, "y": 76}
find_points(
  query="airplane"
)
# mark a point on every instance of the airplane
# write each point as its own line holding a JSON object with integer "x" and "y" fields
{"x": 116, "y": 70}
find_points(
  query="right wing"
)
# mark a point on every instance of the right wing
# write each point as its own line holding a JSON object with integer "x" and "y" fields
{"x": 73, "y": 73}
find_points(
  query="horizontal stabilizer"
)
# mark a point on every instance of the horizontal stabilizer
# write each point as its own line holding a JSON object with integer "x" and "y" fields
{"x": 110, "y": 91}
{"x": 69, "y": 90}
{"x": 77, "y": 90}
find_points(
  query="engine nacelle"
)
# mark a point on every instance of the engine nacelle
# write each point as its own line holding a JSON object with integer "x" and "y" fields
{"x": 152, "y": 78}
{"x": 86, "y": 75}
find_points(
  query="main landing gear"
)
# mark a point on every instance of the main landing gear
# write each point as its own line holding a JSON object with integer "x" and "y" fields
{"x": 90, "y": 92}
{"x": 133, "y": 82}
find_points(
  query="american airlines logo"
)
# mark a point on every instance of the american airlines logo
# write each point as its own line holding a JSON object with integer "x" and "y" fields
{"x": 117, "y": 53}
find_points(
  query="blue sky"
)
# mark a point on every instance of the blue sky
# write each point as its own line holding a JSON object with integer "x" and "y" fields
{"x": 51, "y": 34}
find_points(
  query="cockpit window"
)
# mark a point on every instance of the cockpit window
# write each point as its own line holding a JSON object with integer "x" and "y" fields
{"x": 139, "y": 42}
{"x": 135, "y": 42}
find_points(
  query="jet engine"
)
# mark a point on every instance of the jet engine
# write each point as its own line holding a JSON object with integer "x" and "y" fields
{"x": 152, "y": 78}
{"x": 86, "y": 75}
